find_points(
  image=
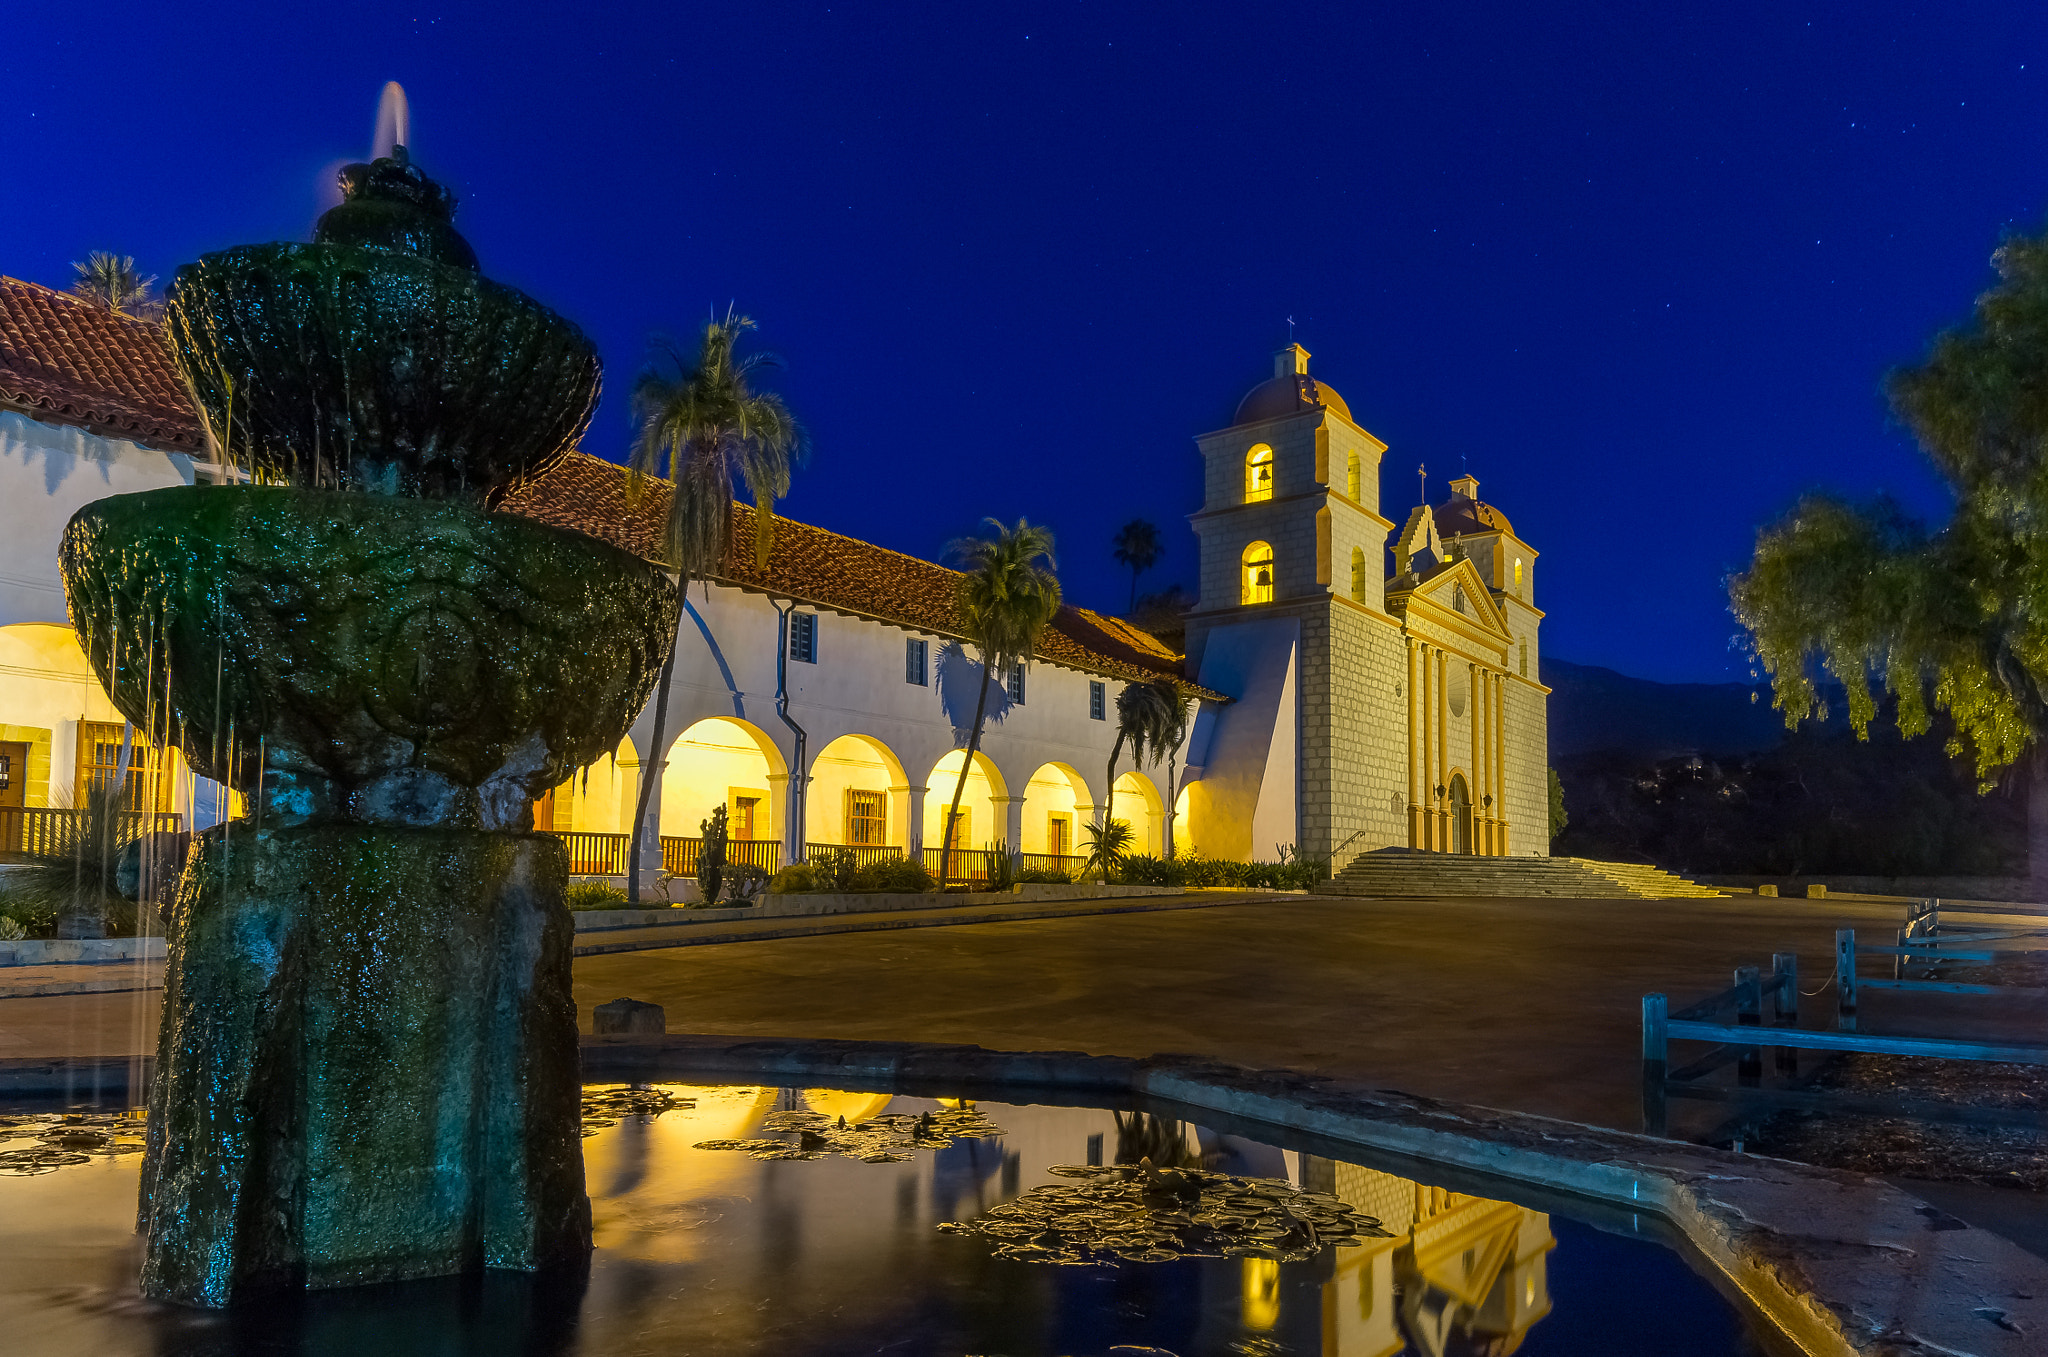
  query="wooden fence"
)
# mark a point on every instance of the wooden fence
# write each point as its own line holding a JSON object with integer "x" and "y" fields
{"x": 680, "y": 856}
{"x": 1740, "y": 1043}
{"x": 595, "y": 854}
{"x": 39, "y": 830}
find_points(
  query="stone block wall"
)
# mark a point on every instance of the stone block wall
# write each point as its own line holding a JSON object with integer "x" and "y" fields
{"x": 1528, "y": 769}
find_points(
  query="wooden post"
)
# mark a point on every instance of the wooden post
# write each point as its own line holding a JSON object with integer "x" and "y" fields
{"x": 1749, "y": 1012}
{"x": 1656, "y": 1055}
{"x": 1785, "y": 967}
{"x": 1845, "y": 979}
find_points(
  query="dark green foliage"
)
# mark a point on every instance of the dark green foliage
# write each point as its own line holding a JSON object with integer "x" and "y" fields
{"x": 1043, "y": 876}
{"x": 836, "y": 870}
{"x": 797, "y": 878}
{"x": 74, "y": 890}
{"x": 1959, "y": 615}
{"x": 1137, "y": 548}
{"x": 711, "y": 856}
{"x": 899, "y": 875}
{"x": 1002, "y": 868}
{"x": 1558, "y": 816}
{"x": 1822, "y": 802}
{"x": 1108, "y": 845}
{"x": 1191, "y": 872}
{"x": 589, "y": 895}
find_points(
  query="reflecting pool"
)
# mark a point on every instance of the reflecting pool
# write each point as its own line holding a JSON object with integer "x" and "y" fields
{"x": 759, "y": 1220}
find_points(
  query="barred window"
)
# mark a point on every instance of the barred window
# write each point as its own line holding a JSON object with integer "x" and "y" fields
{"x": 1098, "y": 701}
{"x": 867, "y": 818}
{"x": 914, "y": 657}
{"x": 1016, "y": 683}
{"x": 803, "y": 637}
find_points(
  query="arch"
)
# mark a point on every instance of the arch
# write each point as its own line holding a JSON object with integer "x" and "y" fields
{"x": 857, "y": 795}
{"x": 1256, "y": 574}
{"x": 982, "y": 821}
{"x": 597, "y": 798}
{"x": 723, "y": 761}
{"x": 1139, "y": 805}
{"x": 1461, "y": 815}
{"x": 1258, "y": 474}
{"x": 1057, "y": 803}
{"x": 1358, "y": 574}
{"x": 1351, "y": 480}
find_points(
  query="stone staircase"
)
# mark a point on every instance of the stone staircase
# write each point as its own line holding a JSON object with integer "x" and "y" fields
{"x": 1458, "y": 874}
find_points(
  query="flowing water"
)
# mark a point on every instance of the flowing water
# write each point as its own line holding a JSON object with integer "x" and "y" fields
{"x": 760, "y": 1220}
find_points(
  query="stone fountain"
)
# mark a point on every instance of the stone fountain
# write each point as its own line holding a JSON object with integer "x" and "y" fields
{"x": 367, "y": 1068}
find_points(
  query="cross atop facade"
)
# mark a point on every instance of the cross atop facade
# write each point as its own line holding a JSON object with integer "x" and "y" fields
{"x": 1422, "y": 488}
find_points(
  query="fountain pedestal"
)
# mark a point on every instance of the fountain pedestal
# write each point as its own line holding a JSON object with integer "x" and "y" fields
{"x": 368, "y": 1063}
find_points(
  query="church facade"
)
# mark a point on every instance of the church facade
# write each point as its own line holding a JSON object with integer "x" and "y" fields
{"x": 1373, "y": 708}
{"x": 1343, "y": 703}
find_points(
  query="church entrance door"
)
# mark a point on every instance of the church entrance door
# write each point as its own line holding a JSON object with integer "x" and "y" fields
{"x": 1461, "y": 815}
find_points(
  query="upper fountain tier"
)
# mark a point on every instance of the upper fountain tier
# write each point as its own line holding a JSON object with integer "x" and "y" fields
{"x": 378, "y": 358}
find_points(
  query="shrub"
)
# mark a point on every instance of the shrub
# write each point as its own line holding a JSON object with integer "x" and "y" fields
{"x": 1290, "y": 873}
{"x": 587, "y": 895}
{"x": 1043, "y": 876}
{"x": 837, "y": 869}
{"x": 795, "y": 879}
{"x": 745, "y": 883}
{"x": 893, "y": 874}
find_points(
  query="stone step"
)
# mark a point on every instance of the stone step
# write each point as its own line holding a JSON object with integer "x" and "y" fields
{"x": 1456, "y": 874}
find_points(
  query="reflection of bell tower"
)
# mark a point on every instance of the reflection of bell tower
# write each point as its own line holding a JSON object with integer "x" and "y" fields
{"x": 1292, "y": 624}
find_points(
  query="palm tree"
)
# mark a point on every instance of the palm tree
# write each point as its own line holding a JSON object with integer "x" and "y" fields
{"x": 1007, "y": 599}
{"x": 1138, "y": 547}
{"x": 1108, "y": 845}
{"x": 1173, "y": 733}
{"x": 1143, "y": 713}
{"x": 112, "y": 281}
{"x": 701, "y": 424}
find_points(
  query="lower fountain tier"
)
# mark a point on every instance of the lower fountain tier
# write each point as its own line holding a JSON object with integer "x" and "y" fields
{"x": 367, "y": 1068}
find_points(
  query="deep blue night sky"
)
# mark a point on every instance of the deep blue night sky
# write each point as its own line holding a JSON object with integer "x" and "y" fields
{"x": 1640, "y": 268}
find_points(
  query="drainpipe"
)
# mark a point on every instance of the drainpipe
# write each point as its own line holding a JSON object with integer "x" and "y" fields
{"x": 794, "y": 819}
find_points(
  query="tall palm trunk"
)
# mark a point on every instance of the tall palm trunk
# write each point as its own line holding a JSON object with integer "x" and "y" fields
{"x": 960, "y": 786}
{"x": 651, "y": 761}
{"x": 1109, "y": 802}
{"x": 1172, "y": 799}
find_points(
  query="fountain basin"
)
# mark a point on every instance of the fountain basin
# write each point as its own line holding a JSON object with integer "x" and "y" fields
{"x": 366, "y": 658}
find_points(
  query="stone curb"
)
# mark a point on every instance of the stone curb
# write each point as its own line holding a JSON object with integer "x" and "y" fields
{"x": 1839, "y": 1263}
{"x": 87, "y": 951}
{"x": 919, "y": 919}
{"x": 821, "y": 903}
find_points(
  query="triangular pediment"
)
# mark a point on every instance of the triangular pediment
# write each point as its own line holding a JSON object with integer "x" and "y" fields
{"x": 1460, "y": 581}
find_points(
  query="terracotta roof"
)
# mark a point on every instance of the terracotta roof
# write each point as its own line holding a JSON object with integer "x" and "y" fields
{"x": 826, "y": 569}
{"x": 64, "y": 360}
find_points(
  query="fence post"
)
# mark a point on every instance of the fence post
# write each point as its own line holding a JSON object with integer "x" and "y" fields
{"x": 1785, "y": 970}
{"x": 1845, "y": 979}
{"x": 1749, "y": 1012}
{"x": 1656, "y": 1055}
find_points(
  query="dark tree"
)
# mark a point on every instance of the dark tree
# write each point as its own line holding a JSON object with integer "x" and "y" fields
{"x": 1138, "y": 548}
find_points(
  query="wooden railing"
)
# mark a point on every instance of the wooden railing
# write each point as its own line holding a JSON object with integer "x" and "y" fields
{"x": 1069, "y": 863}
{"x": 969, "y": 864}
{"x": 864, "y": 854}
{"x": 37, "y": 830}
{"x": 595, "y": 854}
{"x": 680, "y": 855}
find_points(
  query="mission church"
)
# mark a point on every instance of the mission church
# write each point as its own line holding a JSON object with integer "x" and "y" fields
{"x": 1347, "y": 702}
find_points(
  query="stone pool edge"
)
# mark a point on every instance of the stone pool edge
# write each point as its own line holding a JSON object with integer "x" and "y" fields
{"x": 1841, "y": 1263}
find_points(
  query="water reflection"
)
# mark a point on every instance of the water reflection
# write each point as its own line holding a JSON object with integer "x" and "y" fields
{"x": 719, "y": 1254}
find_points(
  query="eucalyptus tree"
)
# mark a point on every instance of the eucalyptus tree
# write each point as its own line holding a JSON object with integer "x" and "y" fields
{"x": 701, "y": 425}
{"x": 1144, "y": 716}
{"x": 1008, "y": 596}
{"x": 1137, "y": 547}
{"x": 112, "y": 281}
{"x": 1958, "y": 615}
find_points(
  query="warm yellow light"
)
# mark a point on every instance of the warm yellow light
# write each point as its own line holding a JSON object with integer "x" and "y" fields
{"x": 1261, "y": 1293}
{"x": 1258, "y": 474}
{"x": 1258, "y": 573}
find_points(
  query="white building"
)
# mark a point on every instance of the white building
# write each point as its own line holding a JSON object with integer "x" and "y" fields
{"x": 1340, "y": 710}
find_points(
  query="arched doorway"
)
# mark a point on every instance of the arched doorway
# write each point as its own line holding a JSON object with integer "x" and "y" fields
{"x": 723, "y": 762}
{"x": 982, "y": 820}
{"x": 1057, "y": 803}
{"x": 1461, "y": 815}
{"x": 858, "y": 798}
{"x": 593, "y": 812}
{"x": 1138, "y": 805}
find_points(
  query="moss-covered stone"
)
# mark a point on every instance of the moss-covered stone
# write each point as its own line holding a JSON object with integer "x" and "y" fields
{"x": 367, "y": 1065}
{"x": 378, "y": 659}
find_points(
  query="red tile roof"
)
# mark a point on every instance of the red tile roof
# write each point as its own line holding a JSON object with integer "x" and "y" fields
{"x": 64, "y": 360}
{"x": 825, "y": 569}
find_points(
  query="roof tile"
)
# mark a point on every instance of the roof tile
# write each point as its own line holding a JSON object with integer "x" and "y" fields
{"x": 64, "y": 360}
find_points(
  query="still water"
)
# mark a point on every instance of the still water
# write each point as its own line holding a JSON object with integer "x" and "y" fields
{"x": 743, "y": 1250}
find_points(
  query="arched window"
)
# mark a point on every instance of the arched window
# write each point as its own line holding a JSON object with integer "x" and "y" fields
{"x": 1351, "y": 476}
{"x": 1358, "y": 574}
{"x": 1258, "y": 573}
{"x": 1258, "y": 474}
{"x": 1518, "y": 577}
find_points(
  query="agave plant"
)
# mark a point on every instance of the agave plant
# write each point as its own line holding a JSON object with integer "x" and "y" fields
{"x": 1108, "y": 846}
{"x": 76, "y": 879}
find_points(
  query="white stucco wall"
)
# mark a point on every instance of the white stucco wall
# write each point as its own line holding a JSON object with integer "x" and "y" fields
{"x": 49, "y": 472}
